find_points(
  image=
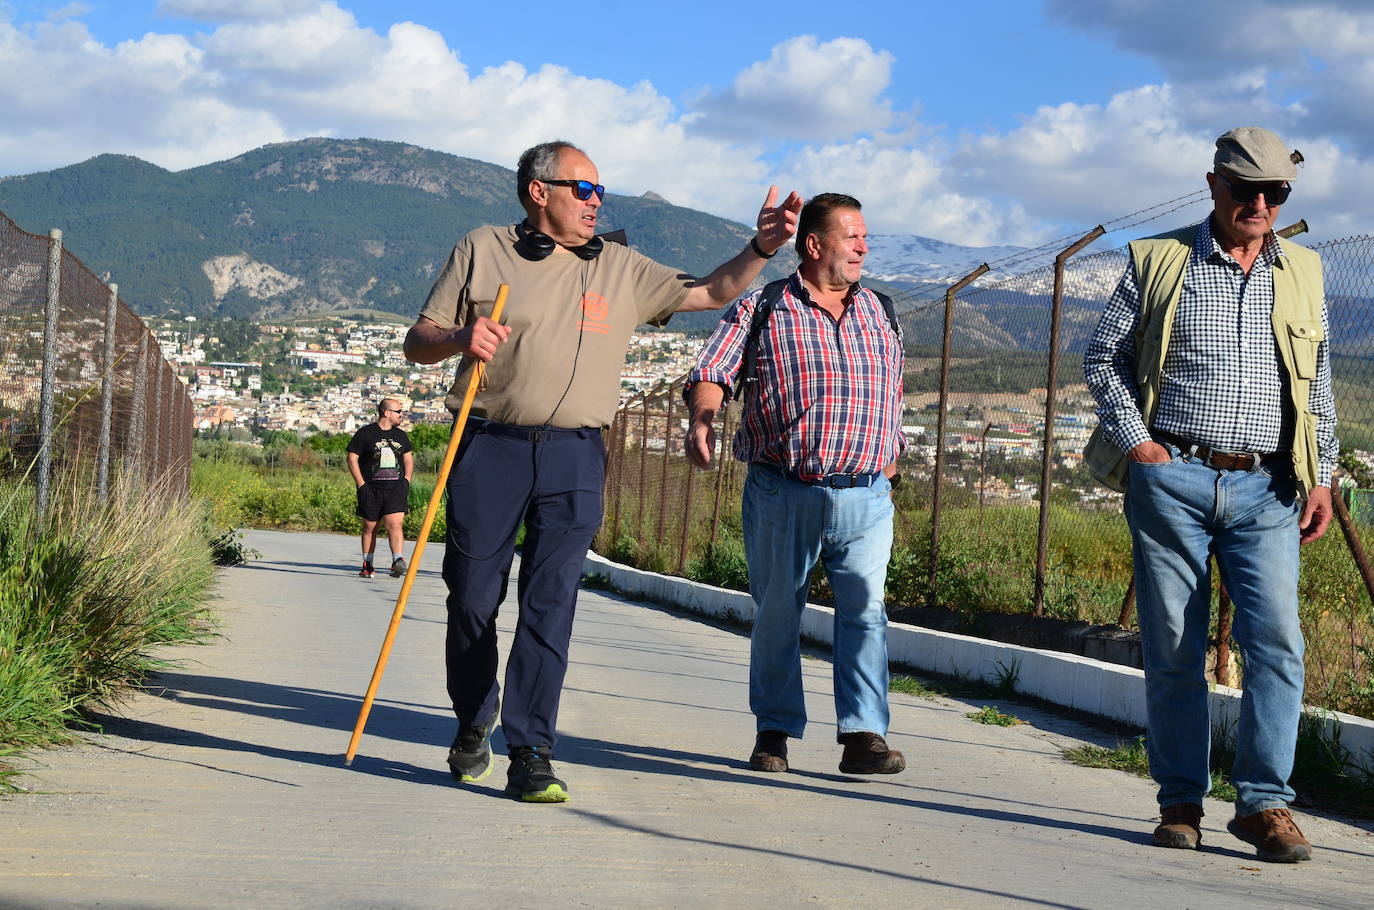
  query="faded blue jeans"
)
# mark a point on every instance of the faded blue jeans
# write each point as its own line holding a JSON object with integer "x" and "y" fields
{"x": 788, "y": 525}
{"x": 1178, "y": 511}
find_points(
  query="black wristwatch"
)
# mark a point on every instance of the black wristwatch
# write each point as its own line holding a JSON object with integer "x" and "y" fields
{"x": 895, "y": 480}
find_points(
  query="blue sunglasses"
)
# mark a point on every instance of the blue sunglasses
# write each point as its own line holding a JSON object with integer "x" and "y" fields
{"x": 582, "y": 189}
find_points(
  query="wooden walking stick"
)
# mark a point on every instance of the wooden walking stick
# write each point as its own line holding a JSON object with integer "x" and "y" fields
{"x": 454, "y": 439}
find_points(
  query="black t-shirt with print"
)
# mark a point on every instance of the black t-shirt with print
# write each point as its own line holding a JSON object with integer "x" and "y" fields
{"x": 379, "y": 452}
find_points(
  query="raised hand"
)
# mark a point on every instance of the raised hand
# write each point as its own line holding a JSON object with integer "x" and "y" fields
{"x": 778, "y": 223}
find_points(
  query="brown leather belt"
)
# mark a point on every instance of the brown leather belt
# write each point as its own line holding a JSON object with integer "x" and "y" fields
{"x": 1224, "y": 461}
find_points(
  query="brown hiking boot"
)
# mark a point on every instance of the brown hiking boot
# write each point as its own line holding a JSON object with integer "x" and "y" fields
{"x": 867, "y": 753}
{"x": 1180, "y": 825}
{"x": 1275, "y": 833}
{"x": 770, "y": 751}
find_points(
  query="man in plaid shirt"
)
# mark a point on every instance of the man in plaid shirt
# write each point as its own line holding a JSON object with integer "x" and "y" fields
{"x": 821, "y": 432}
{"x": 1212, "y": 374}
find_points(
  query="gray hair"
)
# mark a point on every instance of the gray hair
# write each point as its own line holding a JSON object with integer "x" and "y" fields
{"x": 539, "y": 163}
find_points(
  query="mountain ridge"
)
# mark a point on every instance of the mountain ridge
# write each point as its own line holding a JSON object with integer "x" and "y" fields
{"x": 323, "y": 224}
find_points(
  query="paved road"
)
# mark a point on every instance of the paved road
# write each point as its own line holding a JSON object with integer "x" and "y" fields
{"x": 224, "y": 787}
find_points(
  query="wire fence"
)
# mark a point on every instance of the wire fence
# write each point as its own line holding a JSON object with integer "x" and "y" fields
{"x": 997, "y": 512}
{"x": 84, "y": 389}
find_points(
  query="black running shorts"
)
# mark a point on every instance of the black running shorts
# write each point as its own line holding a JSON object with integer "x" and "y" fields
{"x": 382, "y": 497}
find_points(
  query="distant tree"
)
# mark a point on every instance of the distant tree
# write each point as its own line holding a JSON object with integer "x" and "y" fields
{"x": 329, "y": 442}
{"x": 429, "y": 435}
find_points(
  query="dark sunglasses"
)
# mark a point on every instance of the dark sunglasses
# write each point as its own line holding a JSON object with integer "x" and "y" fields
{"x": 583, "y": 190}
{"x": 1244, "y": 192}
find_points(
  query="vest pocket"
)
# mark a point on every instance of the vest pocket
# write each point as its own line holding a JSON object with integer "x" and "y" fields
{"x": 1303, "y": 339}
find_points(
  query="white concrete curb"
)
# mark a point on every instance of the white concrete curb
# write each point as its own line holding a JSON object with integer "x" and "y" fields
{"x": 1104, "y": 689}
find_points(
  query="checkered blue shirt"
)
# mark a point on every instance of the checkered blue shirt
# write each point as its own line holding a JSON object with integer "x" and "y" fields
{"x": 1223, "y": 382}
{"x": 829, "y": 394}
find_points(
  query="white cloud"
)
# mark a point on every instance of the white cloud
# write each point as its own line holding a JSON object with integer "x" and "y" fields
{"x": 152, "y": 98}
{"x": 70, "y": 11}
{"x": 905, "y": 190}
{"x": 1308, "y": 61}
{"x": 807, "y": 90}
{"x": 813, "y": 115}
{"x": 235, "y": 10}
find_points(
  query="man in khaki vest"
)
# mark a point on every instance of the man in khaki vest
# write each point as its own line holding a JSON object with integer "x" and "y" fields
{"x": 1212, "y": 376}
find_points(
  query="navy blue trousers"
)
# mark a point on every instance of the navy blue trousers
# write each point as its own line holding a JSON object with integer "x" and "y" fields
{"x": 551, "y": 481}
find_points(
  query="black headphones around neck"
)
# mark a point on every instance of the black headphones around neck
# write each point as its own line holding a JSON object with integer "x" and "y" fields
{"x": 536, "y": 245}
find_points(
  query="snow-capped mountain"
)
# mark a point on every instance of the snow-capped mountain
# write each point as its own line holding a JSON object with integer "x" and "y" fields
{"x": 907, "y": 260}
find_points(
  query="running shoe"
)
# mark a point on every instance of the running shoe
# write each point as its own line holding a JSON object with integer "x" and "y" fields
{"x": 530, "y": 778}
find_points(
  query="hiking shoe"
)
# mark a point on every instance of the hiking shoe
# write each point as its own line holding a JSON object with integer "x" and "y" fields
{"x": 365, "y": 571}
{"x": 1180, "y": 825}
{"x": 530, "y": 776}
{"x": 770, "y": 751}
{"x": 470, "y": 755}
{"x": 867, "y": 753}
{"x": 1275, "y": 833}
{"x": 398, "y": 567}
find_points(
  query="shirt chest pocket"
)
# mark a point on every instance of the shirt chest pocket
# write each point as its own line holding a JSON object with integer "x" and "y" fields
{"x": 1303, "y": 340}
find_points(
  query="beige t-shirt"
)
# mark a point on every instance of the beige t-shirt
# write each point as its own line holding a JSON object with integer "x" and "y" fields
{"x": 570, "y": 322}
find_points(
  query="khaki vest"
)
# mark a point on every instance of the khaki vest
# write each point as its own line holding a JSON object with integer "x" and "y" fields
{"x": 1160, "y": 263}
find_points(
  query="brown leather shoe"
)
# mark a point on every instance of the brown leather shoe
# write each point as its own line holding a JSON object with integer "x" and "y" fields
{"x": 1275, "y": 833}
{"x": 770, "y": 751}
{"x": 1180, "y": 825}
{"x": 867, "y": 753}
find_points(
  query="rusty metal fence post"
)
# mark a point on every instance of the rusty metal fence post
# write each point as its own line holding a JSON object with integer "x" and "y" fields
{"x": 939, "y": 469}
{"x": 1352, "y": 538}
{"x": 1047, "y": 451}
{"x": 47, "y": 400}
{"x": 643, "y": 456}
{"x": 688, "y": 476}
{"x": 138, "y": 420}
{"x": 155, "y": 412}
{"x": 663, "y": 471}
{"x": 102, "y": 470}
{"x": 720, "y": 476}
{"x": 616, "y": 455}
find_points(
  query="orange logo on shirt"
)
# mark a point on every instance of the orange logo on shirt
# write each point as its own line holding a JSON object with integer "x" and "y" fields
{"x": 595, "y": 309}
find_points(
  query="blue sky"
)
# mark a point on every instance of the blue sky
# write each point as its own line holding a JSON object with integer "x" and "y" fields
{"x": 1003, "y": 121}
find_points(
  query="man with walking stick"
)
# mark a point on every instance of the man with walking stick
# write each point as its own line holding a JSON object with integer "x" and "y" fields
{"x": 532, "y": 452}
{"x": 1212, "y": 376}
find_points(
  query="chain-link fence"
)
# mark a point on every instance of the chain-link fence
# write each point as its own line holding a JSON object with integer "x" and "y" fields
{"x": 84, "y": 388}
{"x": 977, "y": 409}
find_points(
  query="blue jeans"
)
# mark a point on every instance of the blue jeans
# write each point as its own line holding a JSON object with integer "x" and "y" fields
{"x": 1179, "y": 511}
{"x": 788, "y": 525}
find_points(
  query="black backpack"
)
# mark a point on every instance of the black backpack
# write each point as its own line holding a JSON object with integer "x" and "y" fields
{"x": 772, "y": 293}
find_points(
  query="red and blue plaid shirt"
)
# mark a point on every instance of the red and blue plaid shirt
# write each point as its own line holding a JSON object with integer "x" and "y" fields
{"x": 829, "y": 394}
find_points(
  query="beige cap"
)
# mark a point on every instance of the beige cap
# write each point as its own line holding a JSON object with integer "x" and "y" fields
{"x": 1254, "y": 153}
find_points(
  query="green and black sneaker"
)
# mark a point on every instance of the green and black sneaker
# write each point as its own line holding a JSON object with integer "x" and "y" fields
{"x": 530, "y": 777}
{"x": 470, "y": 755}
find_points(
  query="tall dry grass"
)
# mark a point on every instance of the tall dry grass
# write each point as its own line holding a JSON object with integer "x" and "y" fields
{"x": 87, "y": 597}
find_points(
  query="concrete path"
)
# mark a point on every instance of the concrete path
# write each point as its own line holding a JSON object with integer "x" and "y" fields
{"x": 224, "y": 787}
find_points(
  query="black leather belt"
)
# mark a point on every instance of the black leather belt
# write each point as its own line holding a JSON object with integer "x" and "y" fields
{"x": 529, "y": 434}
{"x": 1222, "y": 461}
{"x": 834, "y": 481}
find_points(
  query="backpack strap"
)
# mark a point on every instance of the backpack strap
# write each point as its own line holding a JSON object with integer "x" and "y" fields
{"x": 891, "y": 312}
{"x": 748, "y": 371}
